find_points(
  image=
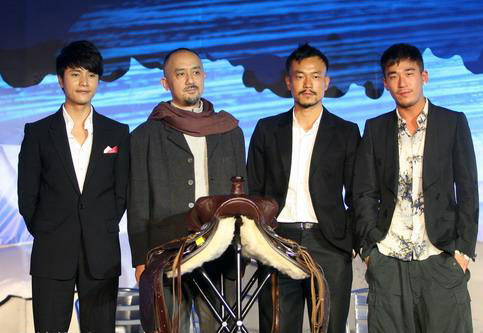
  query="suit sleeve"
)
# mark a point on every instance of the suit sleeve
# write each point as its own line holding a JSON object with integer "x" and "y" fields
{"x": 256, "y": 162}
{"x": 466, "y": 185}
{"x": 122, "y": 173}
{"x": 239, "y": 151}
{"x": 366, "y": 192}
{"x": 29, "y": 171}
{"x": 349, "y": 163}
{"x": 138, "y": 198}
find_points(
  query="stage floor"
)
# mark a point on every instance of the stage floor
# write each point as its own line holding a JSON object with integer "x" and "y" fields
{"x": 16, "y": 313}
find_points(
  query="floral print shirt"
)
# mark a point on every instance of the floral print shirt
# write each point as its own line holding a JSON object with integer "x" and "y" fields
{"x": 407, "y": 238}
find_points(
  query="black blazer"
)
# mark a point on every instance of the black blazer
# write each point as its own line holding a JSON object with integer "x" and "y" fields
{"x": 331, "y": 169}
{"x": 59, "y": 217}
{"x": 450, "y": 184}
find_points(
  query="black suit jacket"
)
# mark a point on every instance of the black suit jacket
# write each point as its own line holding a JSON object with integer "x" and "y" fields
{"x": 60, "y": 217}
{"x": 331, "y": 170}
{"x": 450, "y": 184}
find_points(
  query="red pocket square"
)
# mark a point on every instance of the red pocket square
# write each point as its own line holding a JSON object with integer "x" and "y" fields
{"x": 109, "y": 150}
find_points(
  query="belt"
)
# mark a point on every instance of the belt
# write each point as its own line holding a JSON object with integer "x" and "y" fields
{"x": 297, "y": 225}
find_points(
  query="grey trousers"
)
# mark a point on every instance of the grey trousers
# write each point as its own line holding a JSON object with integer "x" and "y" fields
{"x": 417, "y": 296}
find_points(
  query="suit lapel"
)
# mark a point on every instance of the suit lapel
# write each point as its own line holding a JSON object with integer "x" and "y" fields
{"x": 99, "y": 138}
{"x": 323, "y": 141}
{"x": 431, "y": 148}
{"x": 283, "y": 135}
{"x": 212, "y": 142}
{"x": 391, "y": 154}
{"x": 58, "y": 133}
{"x": 177, "y": 138}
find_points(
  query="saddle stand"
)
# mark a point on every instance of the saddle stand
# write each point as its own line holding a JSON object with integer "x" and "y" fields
{"x": 247, "y": 224}
{"x": 233, "y": 314}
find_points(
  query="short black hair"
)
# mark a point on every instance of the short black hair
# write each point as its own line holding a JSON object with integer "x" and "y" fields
{"x": 305, "y": 51}
{"x": 81, "y": 53}
{"x": 397, "y": 52}
{"x": 170, "y": 53}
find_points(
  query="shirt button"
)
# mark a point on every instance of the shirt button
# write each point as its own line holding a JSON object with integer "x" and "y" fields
{"x": 191, "y": 205}
{"x": 190, "y": 182}
{"x": 190, "y": 160}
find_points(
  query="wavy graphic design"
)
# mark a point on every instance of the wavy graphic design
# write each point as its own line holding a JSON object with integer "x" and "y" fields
{"x": 255, "y": 34}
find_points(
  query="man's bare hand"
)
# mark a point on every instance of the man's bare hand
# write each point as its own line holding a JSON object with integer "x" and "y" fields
{"x": 461, "y": 260}
{"x": 139, "y": 271}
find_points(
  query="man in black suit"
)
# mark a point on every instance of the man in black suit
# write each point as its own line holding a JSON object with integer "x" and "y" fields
{"x": 183, "y": 151}
{"x": 304, "y": 159}
{"x": 72, "y": 183}
{"x": 416, "y": 203}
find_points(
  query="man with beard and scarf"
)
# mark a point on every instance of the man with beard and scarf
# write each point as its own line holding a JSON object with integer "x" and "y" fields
{"x": 182, "y": 152}
{"x": 304, "y": 159}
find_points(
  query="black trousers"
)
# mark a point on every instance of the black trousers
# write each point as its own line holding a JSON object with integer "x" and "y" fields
{"x": 294, "y": 294}
{"x": 427, "y": 296}
{"x": 52, "y": 302}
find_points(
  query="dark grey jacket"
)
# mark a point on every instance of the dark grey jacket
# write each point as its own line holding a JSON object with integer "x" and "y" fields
{"x": 162, "y": 187}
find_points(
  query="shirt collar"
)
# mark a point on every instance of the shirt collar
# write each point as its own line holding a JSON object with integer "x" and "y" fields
{"x": 198, "y": 109}
{"x": 421, "y": 120}
{"x": 194, "y": 109}
{"x": 314, "y": 128}
{"x": 69, "y": 122}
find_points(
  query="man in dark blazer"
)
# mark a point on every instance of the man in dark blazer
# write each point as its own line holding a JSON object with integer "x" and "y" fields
{"x": 183, "y": 151}
{"x": 416, "y": 203}
{"x": 72, "y": 184}
{"x": 304, "y": 159}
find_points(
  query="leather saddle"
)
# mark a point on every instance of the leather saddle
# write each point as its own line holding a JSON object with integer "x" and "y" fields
{"x": 213, "y": 222}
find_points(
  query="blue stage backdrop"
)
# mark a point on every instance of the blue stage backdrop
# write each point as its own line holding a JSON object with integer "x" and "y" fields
{"x": 243, "y": 45}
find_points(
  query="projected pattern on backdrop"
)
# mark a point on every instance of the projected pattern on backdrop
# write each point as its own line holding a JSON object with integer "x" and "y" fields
{"x": 251, "y": 33}
{"x": 134, "y": 30}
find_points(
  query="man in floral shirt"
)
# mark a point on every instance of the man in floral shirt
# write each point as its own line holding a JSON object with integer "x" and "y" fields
{"x": 416, "y": 204}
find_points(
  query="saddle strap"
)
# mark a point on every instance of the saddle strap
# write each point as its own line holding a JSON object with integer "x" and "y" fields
{"x": 319, "y": 292}
{"x": 177, "y": 288}
{"x": 319, "y": 316}
{"x": 276, "y": 303}
{"x": 162, "y": 323}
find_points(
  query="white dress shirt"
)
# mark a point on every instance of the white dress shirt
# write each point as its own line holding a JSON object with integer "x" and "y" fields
{"x": 80, "y": 153}
{"x": 298, "y": 203}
